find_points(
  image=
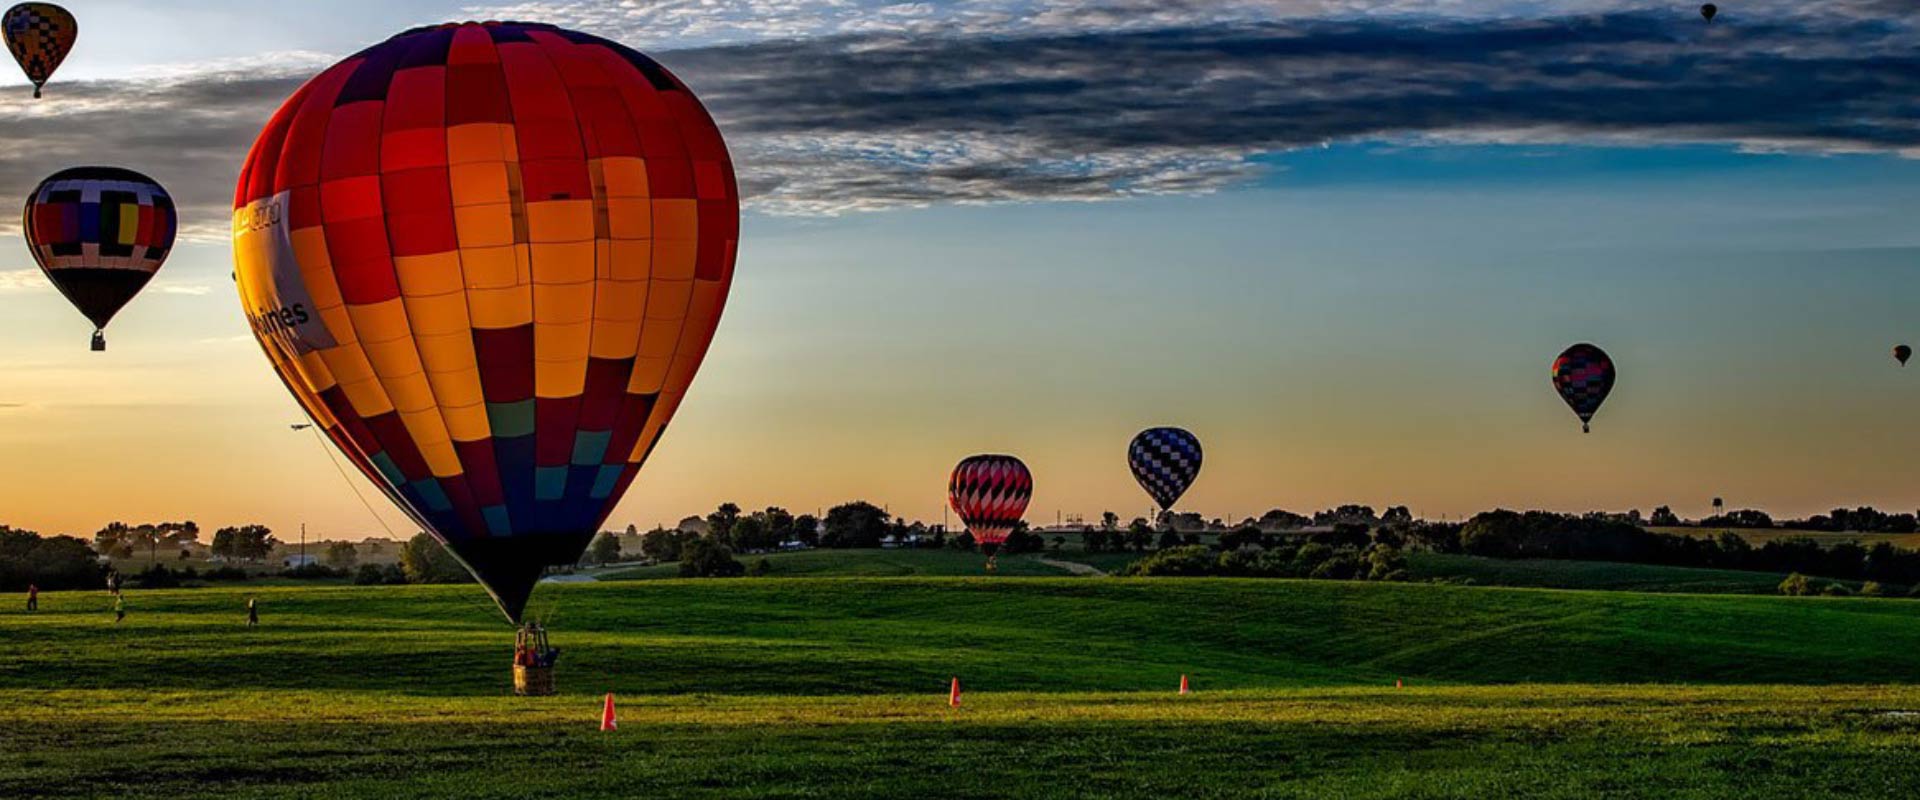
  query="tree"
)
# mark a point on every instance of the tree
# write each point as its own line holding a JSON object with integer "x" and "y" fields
{"x": 1139, "y": 535}
{"x": 1109, "y": 521}
{"x": 248, "y": 542}
{"x": 425, "y": 560}
{"x": 720, "y": 522}
{"x": 605, "y": 549}
{"x": 663, "y": 544}
{"x": 706, "y": 558}
{"x": 1169, "y": 539}
{"x": 1796, "y": 585}
{"x": 1663, "y": 517}
{"x": 53, "y": 562}
{"x": 751, "y": 533}
{"x": 342, "y": 555}
{"x": 806, "y": 530}
{"x": 855, "y": 524}
{"x": 1398, "y": 514}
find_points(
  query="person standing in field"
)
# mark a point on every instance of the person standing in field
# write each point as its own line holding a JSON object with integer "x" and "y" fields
{"x": 253, "y": 612}
{"x": 119, "y": 609}
{"x": 33, "y": 597}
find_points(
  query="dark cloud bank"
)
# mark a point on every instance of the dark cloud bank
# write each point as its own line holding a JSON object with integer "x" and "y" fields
{"x": 829, "y": 124}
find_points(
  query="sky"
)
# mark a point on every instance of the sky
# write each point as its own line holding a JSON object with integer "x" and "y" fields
{"x": 1339, "y": 241}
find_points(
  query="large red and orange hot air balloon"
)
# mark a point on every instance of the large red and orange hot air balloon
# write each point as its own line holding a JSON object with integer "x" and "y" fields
{"x": 990, "y": 493}
{"x": 488, "y": 259}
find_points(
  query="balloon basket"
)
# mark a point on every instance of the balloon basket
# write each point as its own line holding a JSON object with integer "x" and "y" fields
{"x": 532, "y": 681}
{"x": 533, "y": 661}
{"x": 99, "y": 342}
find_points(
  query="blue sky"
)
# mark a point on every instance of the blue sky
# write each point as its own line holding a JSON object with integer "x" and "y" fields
{"x": 1340, "y": 242}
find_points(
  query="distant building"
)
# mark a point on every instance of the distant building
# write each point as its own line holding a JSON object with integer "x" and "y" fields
{"x": 296, "y": 560}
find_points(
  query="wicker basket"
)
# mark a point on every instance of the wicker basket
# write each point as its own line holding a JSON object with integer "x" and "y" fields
{"x": 532, "y": 681}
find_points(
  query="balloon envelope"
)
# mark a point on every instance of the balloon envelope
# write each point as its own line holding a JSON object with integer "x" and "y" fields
{"x": 990, "y": 494}
{"x": 1583, "y": 375}
{"x": 488, "y": 259}
{"x": 1902, "y": 353}
{"x": 39, "y": 35}
{"x": 1709, "y": 11}
{"x": 1165, "y": 461}
{"x": 99, "y": 233}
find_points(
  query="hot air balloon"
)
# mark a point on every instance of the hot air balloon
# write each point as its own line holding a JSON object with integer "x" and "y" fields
{"x": 1583, "y": 375}
{"x": 1901, "y": 353}
{"x": 1165, "y": 462}
{"x": 990, "y": 494}
{"x": 1709, "y": 11}
{"x": 39, "y": 36}
{"x": 100, "y": 233}
{"x": 487, "y": 259}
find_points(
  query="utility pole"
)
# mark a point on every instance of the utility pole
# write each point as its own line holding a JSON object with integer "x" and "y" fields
{"x": 303, "y": 544}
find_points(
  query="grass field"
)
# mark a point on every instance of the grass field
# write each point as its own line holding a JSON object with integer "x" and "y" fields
{"x": 836, "y": 687}
{"x": 866, "y": 564}
{"x": 1602, "y": 575}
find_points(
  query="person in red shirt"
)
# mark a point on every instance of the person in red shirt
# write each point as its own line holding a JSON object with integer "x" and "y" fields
{"x": 33, "y": 597}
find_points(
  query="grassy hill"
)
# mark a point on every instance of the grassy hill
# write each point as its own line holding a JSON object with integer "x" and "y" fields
{"x": 864, "y": 564}
{"x": 1760, "y": 536}
{"x": 1600, "y": 575}
{"x": 835, "y": 688}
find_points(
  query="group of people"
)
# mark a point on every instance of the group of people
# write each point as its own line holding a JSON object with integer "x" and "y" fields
{"x": 120, "y": 601}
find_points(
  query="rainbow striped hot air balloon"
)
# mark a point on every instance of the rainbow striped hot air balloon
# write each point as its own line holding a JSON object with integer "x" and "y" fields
{"x": 100, "y": 234}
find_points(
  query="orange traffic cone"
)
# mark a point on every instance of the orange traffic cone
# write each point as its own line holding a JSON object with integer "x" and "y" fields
{"x": 1183, "y": 684}
{"x": 953, "y": 695}
{"x": 607, "y": 722}
{"x": 1396, "y": 683}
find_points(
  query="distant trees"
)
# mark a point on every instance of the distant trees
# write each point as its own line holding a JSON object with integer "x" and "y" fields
{"x": 706, "y": 558}
{"x": 1280, "y": 519}
{"x": 52, "y": 562}
{"x": 1743, "y": 518}
{"x": 855, "y": 524}
{"x": 664, "y": 544}
{"x": 246, "y": 542}
{"x": 122, "y": 540}
{"x": 1663, "y": 517}
{"x": 1375, "y": 562}
{"x": 342, "y": 555}
{"x": 605, "y": 549}
{"x": 424, "y": 560}
{"x": 1359, "y": 514}
{"x": 1865, "y": 519}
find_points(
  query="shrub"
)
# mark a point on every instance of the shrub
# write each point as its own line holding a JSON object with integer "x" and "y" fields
{"x": 1796, "y": 585}
{"x": 369, "y": 575}
{"x": 705, "y": 558}
{"x": 312, "y": 572}
{"x": 225, "y": 574}
{"x": 1836, "y": 590}
{"x": 1872, "y": 589}
{"x": 759, "y": 568}
{"x": 159, "y": 577}
{"x": 1189, "y": 561}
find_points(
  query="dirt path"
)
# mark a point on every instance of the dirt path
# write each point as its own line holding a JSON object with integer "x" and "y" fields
{"x": 1074, "y": 567}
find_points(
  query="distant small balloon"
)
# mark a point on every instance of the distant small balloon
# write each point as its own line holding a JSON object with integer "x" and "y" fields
{"x": 1583, "y": 375}
{"x": 39, "y": 35}
{"x": 1901, "y": 353}
{"x": 1709, "y": 11}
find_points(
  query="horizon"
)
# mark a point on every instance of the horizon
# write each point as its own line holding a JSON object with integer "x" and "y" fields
{"x": 1348, "y": 296}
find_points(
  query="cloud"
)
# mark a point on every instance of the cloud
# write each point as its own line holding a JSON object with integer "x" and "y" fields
{"x": 195, "y": 289}
{"x": 837, "y": 106}
{"x": 23, "y": 280}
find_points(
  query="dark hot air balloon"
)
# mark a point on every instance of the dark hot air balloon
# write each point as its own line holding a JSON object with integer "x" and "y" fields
{"x": 990, "y": 493}
{"x": 488, "y": 259}
{"x": 1165, "y": 462}
{"x": 100, "y": 233}
{"x": 1709, "y": 11}
{"x": 1901, "y": 353}
{"x": 1583, "y": 375}
{"x": 39, "y": 36}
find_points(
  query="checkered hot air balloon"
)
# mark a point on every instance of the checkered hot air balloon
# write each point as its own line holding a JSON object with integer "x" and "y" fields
{"x": 39, "y": 35}
{"x": 1165, "y": 461}
{"x": 99, "y": 233}
{"x": 1583, "y": 375}
{"x": 990, "y": 493}
{"x": 488, "y": 258}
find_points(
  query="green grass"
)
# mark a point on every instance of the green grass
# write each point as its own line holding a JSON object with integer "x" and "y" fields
{"x": 835, "y": 688}
{"x": 1602, "y": 575}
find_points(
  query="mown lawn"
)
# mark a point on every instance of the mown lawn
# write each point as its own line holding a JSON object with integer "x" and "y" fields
{"x": 831, "y": 687}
